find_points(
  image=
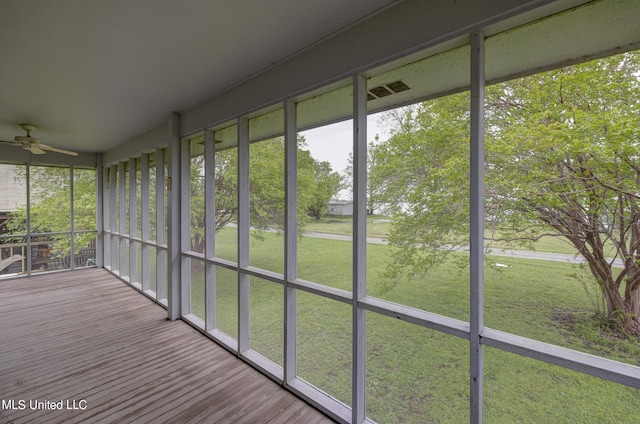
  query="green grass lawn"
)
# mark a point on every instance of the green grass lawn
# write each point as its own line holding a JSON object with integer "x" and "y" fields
{"x": 377, "y": 225}
{"x": 417, "y": 375}
{"x": 380, "y": 226}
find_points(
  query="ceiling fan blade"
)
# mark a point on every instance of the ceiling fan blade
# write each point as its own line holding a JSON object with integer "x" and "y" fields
{"x": 36, "y": 150}
{"x": 55, "y": 149}
{"x": 12, "y": 143}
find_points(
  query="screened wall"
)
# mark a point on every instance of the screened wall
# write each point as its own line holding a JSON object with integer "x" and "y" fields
{"x": 135, "y": 230}
{"x": 47, "y": 218}
{"x": 442, "y": 298}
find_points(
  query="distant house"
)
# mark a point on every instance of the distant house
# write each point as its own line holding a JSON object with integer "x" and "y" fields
{"x": 340, "y": 208}
{"x": 13, "y": 192}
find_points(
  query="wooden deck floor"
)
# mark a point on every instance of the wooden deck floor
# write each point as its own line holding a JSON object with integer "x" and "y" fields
{"x": 85, "y": 336}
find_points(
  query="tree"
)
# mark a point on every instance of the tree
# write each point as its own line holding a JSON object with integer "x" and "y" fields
{"x": 378, "y": 175}
{"x": 566, "y": 155}
{"x": 424, "y": 169}
{"x": 266, "y": 189}
{"x": 226, "y": 183}
{"x": 50, "y": 209}
{"x": 196, "y": 207}
{"x": 317, "y": 183}
{"x": 562, "y": 160}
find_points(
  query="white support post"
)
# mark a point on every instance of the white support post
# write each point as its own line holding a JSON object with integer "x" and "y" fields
{"x": 113, "y": 193}
{"x": 123, "y": 220}
{"x": 210, "y": 231}
{"x": 102, "y": 208}
{"x": 28, "y": 235}
{"x": 144, "y": 222}
{"x": 161, "y": 256}
{"x": 359, "y": 245}
{"x": 291, "y": 239}
{"x": 173, "y": 249}
{"x": 243, "y": 234}
{"x": 72, "y": 227}
{"x": 133, "y": 222}
{"x": 185, "y": 226}
{"x": 477, "y": 228}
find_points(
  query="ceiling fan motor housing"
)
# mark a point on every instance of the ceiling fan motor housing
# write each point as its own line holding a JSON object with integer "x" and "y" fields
{"x": 28, "y": 127}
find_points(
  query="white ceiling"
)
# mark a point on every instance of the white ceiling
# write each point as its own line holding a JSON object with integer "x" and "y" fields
{"x": 92, "y": 74}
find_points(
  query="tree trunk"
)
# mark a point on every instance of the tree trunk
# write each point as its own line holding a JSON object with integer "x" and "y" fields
{"x": 623, "y": 311}
{"x": 632, "y": 310}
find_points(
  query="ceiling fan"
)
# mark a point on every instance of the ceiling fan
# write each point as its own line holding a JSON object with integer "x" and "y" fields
{"x": 34, "y": 145}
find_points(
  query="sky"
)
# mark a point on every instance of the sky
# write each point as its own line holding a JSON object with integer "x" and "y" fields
{"x": 333, "y": 143}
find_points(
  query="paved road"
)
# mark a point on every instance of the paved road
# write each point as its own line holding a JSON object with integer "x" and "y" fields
{"x": 512, "y": 253}
{"x": 546, "y": 256}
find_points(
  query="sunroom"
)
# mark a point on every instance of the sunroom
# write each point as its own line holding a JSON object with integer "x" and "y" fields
{"x": 179, "y": 158}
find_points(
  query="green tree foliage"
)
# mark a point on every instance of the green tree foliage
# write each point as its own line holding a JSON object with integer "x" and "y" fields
{"x": 50, "y": 210}
{"x": 226, "y": 200}
{"x": 226, "y": 185}
{"x": 196, "y": 212}
{"x": 562, "y": 160}
{"x": 317, "y": 183}
{"x": 377, "y": 174}
{"x": 422, "y": 178}
{"x": 266, "y": 184}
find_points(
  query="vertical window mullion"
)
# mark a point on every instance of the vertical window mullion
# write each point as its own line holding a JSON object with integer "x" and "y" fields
{"x": 291, "y": 234}
{"x": 243, "y": 234}
{"x": 174, "y": 213}
{"x": 28, "y": 225}
{"x": 72, "y": 233}
{"x": 359, "y": 245}
{"x": 123, "y": 222}
{"x": 144, "y": 223}
{"x": 477, "y": 227}
{"x": 210, "y": 230}
{"x": 105, "y": 228}
{"x": 160, "y": 225}
{"x": 185, "y": 225}
{"x": 113, "y": 192}
{"x": 133, "y": 222}
{"x": 102, "y": 207}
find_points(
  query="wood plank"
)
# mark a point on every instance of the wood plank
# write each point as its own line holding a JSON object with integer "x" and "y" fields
{"x": 86, "y": 336}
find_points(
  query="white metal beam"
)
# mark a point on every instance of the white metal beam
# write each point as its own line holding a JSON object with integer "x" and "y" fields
{"x": 184, "y": 187}
{"x": 102, "y": 208}
{"x": 113, "y": 228}
{"x": 476, "y": 253}
{"x": 174, "y": 234}
{"x": 210, "y": 232}
{"x": 133, "y": 222}
{"x": 28, "y": 236}
{"x": 122, "y": 230}
{"x": 359, "y": 245}
{"x": 243, "y": 234}
{"x": 161, "y": 253}
{"x": 144, "y": 221}
{"x": 597, "y": 366}
{"x": 72, "y": 235}
{"x": 291, "y": 239}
